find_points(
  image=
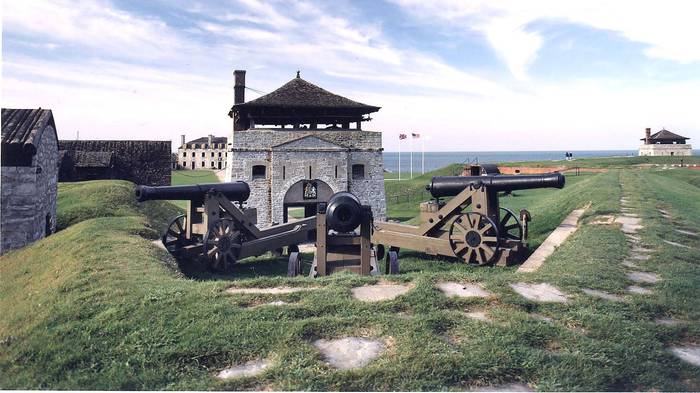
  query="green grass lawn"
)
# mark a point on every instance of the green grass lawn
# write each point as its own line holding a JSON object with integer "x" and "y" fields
{"x": 98, "y": 306}
{"x": 185, "y": 177}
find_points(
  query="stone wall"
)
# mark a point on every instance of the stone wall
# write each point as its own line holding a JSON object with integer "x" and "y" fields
{"x": 665, "y": 150}
{"x": 288, "y": 155}
{"x": 141, "y": 162}
{"x": 29, "y": 196}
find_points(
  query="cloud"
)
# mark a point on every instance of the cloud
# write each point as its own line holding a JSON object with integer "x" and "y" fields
{"x": 665, "y": 27}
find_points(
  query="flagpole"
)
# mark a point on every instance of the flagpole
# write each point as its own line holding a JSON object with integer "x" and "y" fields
{"x": 399, "y": 157}
{"x": 422, "y": 152}
{"x": 411, "y": 155}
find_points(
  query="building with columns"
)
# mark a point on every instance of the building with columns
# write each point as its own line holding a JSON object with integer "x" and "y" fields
{"x": 208, "y": 152}
{"x": 298, "y": 145}
{"x": 664, "y": 143}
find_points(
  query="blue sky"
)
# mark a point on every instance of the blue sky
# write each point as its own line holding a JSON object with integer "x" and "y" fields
{"x": 467, "y": 75}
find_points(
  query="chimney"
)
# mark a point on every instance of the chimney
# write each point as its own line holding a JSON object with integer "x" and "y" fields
{"x": 209, "y": 140}
{"x": 238, "y": 87}
{"x": 647, "y": 136}
{"x": 182, "y": 140}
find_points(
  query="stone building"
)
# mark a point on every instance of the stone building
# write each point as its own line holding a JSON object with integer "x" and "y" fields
{"x": 141, "y": 162}
{"x": 664, "y": 143}
{"x": 29, "y": 176}
{"x": 295, "y": 147}
{"x": 203, "y": 153}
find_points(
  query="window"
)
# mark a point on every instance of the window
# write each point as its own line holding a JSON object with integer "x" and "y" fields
{"x": 192, "y": 154}
{"x": 212, "y": 164}
{"x": 184, "y": 154}
{"x": 336, "y": 171}
{"x": 310, "y": 172}
{"x": 184, "y": 164}
{"x": 203, "y": 155}
{"x": 219, "y": 154}
{"x": 258, "y": 172}
{"x": 204, "y": 164}
{"x": 358, "y": 171}
{"x": 212, "y": 154}
{"x": 284, "y": 172}
{"x": 195, "y": 146}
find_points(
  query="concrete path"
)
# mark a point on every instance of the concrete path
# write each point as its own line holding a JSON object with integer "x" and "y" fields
{"x": 554, "y": 240}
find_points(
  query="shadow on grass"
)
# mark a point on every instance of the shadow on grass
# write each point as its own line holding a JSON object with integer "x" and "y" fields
{"x": 265, "y": 266}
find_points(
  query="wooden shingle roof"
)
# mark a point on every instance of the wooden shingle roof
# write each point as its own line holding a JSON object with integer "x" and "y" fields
{"x": 665, "y": 134}
{"x": 22, "y": 130}
{"x": 299, "y": 93}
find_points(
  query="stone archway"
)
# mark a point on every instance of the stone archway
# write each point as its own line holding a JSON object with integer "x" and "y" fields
{"x": 306, "y": 194}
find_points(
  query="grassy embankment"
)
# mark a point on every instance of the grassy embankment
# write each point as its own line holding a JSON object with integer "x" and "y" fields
{"x": 184, "y": 177}
{"x": 98, "y": 306}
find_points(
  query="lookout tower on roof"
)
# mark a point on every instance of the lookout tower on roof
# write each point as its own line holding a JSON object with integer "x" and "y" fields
{"x": 664, "y": 143}
{"x": 298, "y": 145}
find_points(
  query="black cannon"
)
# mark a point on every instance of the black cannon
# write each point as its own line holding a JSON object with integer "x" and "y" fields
{"x": 484, "y": 234}
{"x": 448, "y": 186}
{"x": 219, "y": 232}
{"x": 236, "y": 191}
{"x": 338, "y": 245}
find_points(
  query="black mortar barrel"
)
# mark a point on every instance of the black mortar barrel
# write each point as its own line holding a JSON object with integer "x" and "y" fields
{"x": 234, "y": 191}
{"x": 344, "y": 212}
{"x": 447, "y": 186}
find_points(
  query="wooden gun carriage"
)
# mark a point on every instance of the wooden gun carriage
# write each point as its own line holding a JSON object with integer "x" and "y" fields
{"x": 484, "y": 234}
{"x": 221, "y": 232}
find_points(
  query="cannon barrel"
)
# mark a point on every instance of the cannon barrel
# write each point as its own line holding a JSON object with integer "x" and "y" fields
{"x": 344, "y": 212}
{"x": 446, "y": 186}
{"x": 235, "y": 191}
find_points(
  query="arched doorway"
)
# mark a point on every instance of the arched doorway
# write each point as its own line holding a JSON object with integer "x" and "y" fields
{"x": 305, "y": 194}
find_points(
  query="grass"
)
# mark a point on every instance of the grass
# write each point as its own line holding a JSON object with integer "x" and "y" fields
{"x": 610, "y": 162}
{"x": 185, "y": 177}
{"x": 98, "y": 306}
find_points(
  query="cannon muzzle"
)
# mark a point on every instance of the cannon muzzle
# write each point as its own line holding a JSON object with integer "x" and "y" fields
{"x": 446, "y": 186}
{"x": 344, "y": 212}
{"x": 235, "y": 191}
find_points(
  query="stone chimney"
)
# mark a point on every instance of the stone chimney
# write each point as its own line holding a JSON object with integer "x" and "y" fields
{"x": 647, "y": 136}
{"x": 182, "y": 140}
{"x": 239, "y": 98}
{"x": 210, "y": 139}
{"x": 239, "y": 87}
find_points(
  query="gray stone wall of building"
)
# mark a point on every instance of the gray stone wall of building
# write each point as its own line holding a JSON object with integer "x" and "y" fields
{"x": 266, "y": 138}
{"x": 141, "y": 162}
{"x": 288, "y": 155}
{"x": 29, "y": 196}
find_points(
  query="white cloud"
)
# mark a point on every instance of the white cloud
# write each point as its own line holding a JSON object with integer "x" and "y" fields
{"x": 667, "y": 27}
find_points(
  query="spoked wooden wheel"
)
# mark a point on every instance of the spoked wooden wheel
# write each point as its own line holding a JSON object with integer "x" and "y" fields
{"x": 174, "y": 238}
{"x": 222, "y": 245}
{"x": 474, "y": 238}
{"x": 510, "y": 227}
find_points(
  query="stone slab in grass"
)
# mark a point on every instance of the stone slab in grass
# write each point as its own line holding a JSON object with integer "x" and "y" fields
{"x": 667, "y": 321}
{"x": 640, "y": 257}
{"x": 639, "y": 290}
{"x": 629, "y": 224}
{"x": 689, "y": 233}
{"x": 249, "y": 369}
{"x": 688, "y": 353}
{"x": 646, "y": 277}
{"x": 554, "y": 240}
{"x": 603, "y": 295}
{"x": 542, "y": 292}
{"x": 478, "y": 315}
{"x": 271, "y": 291}
{"x": 637, "y": 249}
{"x": 349, "y": 352}
{"x": 510, "y": 387}
{"x": 678, "y": 245}
{"x": 603, "y": 220}
{"x": 630, "y": 264}
{"x": 633, "y": 238}
{"x": 462, "y": 290}
{"x": 379, "y": 292}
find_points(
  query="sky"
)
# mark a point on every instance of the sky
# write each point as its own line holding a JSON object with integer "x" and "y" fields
{"x": 481, "y": 75}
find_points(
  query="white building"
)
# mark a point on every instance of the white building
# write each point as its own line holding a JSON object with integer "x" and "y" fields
{"x": 664, "y": 143}
{"x": 202, "y": 153}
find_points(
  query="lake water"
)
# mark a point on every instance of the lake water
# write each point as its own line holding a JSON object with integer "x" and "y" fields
{"x": 435, "y": 160}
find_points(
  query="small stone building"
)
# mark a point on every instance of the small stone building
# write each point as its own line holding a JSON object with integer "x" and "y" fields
{"x": 295, "y": 147}
{"x": 664, "y": 143}
{"x": 203, "y": 153}
{"x": 141, "y": 162}
{"x": 29, "y": 176}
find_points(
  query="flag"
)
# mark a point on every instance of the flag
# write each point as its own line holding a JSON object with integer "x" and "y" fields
{"x": 415, "y": 136}
{"x": 402, "y": 136}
